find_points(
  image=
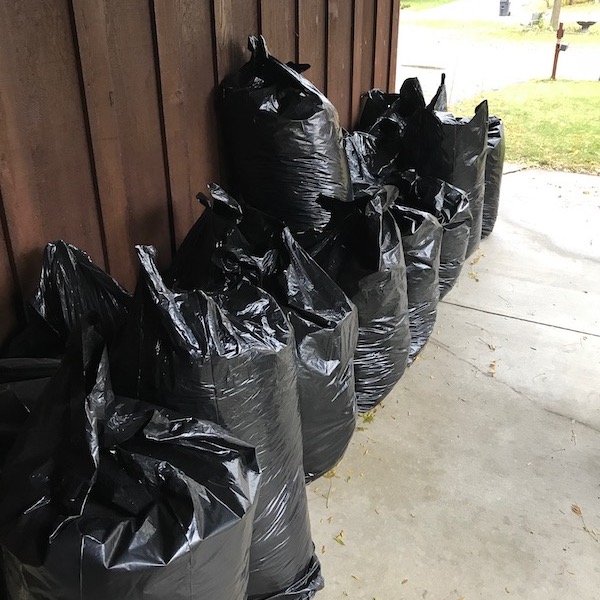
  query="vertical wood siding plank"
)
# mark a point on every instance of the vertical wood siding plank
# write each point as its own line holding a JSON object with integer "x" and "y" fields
{"x": 312, "y": 43}
{"x": 278, "y": 26}
{"x": 45, "y": 170}
{"x": 235, "y": 20}
{"x": 382, "y": 43}
{"x": 186, "y": 57}
{"x": 395, "y": 32}
{"x": 119, "y": 72}
{"x": 357, "y": 35}
{"x": 339, "y": 52}
{"x": 8, "y": 291}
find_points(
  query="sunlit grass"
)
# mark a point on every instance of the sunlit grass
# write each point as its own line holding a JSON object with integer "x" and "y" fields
{"x": 550, "y": 124}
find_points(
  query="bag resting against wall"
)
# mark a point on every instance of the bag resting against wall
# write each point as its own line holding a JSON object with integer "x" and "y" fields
{"x": 451, "y": 208}
{"x": 71, "y": 286}
{"x": 363, "y": 255}
{"x": 464, "y": 144}
{"x": 284, "y": 140}
{"x": 421, "y": 240}
{"x": 325, "y": 322}
{"x": 109, "y": 497}
{"x": 325, "y": 325}
{"x": 228, "y": 355}
{"x": 494, "y": 166}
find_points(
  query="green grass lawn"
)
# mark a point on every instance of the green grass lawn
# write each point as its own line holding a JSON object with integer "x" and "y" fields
{"x": 422, "y": 4}
{"x": 549, "y": 124}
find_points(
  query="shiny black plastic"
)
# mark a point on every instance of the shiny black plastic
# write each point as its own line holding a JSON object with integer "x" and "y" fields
{"x": 71, "y": 286}
{"x": 108, "y": 497}
{"x": 228, "y": 354}
{"x": 440, "y": 99}
{"x": 21, "y": 383}
{"x": 361, "y": 150}
{"x": 494, "y": 166}
{"x": 451, "y": 208}
{"x": 325, "y": 325}
{"x": 363, "y": 255}
{"x": 284, "y": 140}
{"x": 421, "y": 239}
{"x": 464, "y": 146}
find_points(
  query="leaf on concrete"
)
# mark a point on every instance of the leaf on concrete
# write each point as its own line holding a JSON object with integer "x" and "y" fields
{"x": 575, "y": 508}
{"x": 339, "y": 538}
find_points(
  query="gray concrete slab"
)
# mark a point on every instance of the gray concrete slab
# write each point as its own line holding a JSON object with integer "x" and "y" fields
{"x": 463, "y": 484}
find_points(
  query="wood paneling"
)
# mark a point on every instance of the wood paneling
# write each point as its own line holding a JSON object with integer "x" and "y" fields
{"x": 45, "y": 170}
{"x": 188, "y": 77}
{"x": 278, "y": 23}
{"x": 312, "y": 43}
{"x": 235, "y": 20}
{"x": 108, "y": 126}
{"x": 339, "y": 53}
{"x": 383, "y": 28}
{"x": 394, "y": 33}
{"x": 119, "y": 71}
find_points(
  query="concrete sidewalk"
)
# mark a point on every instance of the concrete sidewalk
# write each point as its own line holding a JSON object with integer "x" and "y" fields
{"x": 468, "y": 482}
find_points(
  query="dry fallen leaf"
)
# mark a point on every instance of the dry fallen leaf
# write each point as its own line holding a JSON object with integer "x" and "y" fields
{"x": 339, "y": 538}
{"x": 323, "y": 549}
{"x": 404, "y": 581}
{"x": 330, "y": 519}
{"x": 575, "y": 508}
{"x": 356, "y": 577}
{"x": 368, "y": 417}
{"x": 493, "y": 368}
{"x": 473, "y": 275}
{"x": 331, "y": 474}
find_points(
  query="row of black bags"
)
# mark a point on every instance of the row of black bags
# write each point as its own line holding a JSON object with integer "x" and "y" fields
{"x": 162, "y": 441}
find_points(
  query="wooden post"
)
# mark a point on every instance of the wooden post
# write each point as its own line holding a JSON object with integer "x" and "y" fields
{"x": 559, "y": 36}
{"x": 555, "y": 18}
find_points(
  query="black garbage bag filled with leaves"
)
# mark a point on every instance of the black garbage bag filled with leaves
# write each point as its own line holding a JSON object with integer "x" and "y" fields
{"x": 325, "y": 324}
{"x": 284, "y": 140}
{"x": 363, "y": 255}
{"x": 439, "y": 101}
{"x": 421, "y": 239}
{"x": 109, "y": 497}
{"x": 450, "y": 206}
{"x": 228, "y": 354}
{"x": 21, "y": 383}
{"x": 494, "y": 166}
{"x": 71, "y": 286}
{"x": 464, "y": 145}
{"x": 361, "y": 150}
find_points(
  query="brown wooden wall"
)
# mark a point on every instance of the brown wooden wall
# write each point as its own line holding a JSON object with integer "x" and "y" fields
{"x": 107, "y": 122}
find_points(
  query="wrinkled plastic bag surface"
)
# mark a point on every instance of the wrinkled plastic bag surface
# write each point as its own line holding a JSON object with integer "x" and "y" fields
{"x": 464, "y": 146}
{"x": 421, "y": 239}
{"x": 284, "y": 140}
{"x": 451, "y": 208}
{"x": 439, "y": 101}
{"x": 109, "y": 497}
{"x": 494, "y": 166}
{"x": 21, "y": 383}
{"x": 228, "y": 355}
{"x": 71, "y": 287}
{"x": 363, "y": 255}
{"x": 325, "y": 324}
{"x": 361, "y": 150}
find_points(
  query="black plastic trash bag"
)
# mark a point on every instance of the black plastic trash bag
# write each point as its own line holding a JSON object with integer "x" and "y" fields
{"x": 284, "y": 140}
{"x": 363, "y": 255}
{"x": 439, "y": 101}
{"x": 464, "y": 147}
{"x": 421, "y": 240}
{"x": 109, "y": 497}
{"x": 494, "y": 166}
{"x": 377, "y": 104}
{"x": 228, "y": 355}
{"x": 325, "y": 324}
{"x": 71, "y": 286}
{"x": 21, "y": 383}
{"x": 451, "y": 208}
{"x": 361, "y": 150}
